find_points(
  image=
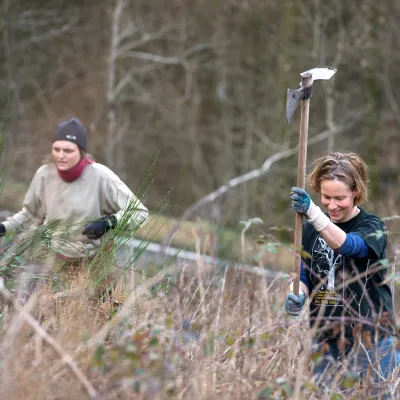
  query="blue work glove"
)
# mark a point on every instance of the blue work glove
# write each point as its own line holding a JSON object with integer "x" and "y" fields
{"x": 301, "y": 201}
{"x": 96, "y": 229}
{"x": 294, "y": 304}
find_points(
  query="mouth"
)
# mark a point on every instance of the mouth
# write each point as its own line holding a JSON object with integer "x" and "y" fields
{"x": 334, "y": 214}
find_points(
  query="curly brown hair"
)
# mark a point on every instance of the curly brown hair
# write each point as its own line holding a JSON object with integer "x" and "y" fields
{"x": 345, "y": 167}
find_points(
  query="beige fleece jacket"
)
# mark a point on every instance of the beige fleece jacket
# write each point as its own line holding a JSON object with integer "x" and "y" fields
{"x": 65, "y": 207}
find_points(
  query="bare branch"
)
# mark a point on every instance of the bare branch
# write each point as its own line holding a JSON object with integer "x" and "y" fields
{"x": 48, "y": 35}
{"x": 147, "y": 37}
{"x": 263, "y": 169}
{"x": 188, "y": 81}
{"x": 391, "y": 99}
{"x": 128, "y": 31}
{"x": 196, "y": 48}
{"x": 264, "y": 138}
{"x": 157, "y": 59}
{"x": 394, "y": 105}
{"x": 123, "y": 82}
{"x": 152, "y": 57}
{"x": 329, "y": 98}
{"x": 121, "y": 131}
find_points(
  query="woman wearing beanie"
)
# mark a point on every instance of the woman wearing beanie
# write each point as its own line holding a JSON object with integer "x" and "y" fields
{"x": 76, "y": 201}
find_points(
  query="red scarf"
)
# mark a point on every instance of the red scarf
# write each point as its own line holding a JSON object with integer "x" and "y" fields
{"x": 75, "y": 172}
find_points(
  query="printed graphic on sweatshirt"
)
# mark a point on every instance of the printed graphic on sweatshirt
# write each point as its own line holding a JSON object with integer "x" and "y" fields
{"x": 328, "y": 267}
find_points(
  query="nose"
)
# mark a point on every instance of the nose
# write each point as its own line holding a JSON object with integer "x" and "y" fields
{"x": 331, "y": 205}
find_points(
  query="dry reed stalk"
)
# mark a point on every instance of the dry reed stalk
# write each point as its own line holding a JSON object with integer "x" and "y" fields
{"x": 66, "y": 357}
{"x": 216, "y": 327}
{"x": 199, "y": 269}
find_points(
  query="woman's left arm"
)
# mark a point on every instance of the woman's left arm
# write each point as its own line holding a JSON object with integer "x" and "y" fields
{"x": 333, "y": 235}
{"x": 348, "y": 244}
{"x": 128, "y": 209}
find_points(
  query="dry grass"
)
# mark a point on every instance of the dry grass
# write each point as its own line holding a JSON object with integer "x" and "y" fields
{"x": 238, "y": 345}
{"x": 214, "y": 335}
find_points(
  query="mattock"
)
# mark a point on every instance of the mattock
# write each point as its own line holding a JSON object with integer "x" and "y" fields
{"x": 294, "y": 97}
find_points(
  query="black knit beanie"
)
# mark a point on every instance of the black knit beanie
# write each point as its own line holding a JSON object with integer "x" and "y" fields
{"x": 73, "y": 131}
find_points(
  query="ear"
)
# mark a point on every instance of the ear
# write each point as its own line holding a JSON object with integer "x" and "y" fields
{"x": 356, "y": 195}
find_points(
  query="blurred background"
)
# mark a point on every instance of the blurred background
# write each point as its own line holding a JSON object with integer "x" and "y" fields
{"x": 200, "y": 87}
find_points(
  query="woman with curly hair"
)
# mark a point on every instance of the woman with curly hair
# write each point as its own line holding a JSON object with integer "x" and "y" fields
{"x": 350, "y": 304}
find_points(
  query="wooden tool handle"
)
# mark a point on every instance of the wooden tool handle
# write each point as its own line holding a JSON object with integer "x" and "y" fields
{"x": 301, "y": 177}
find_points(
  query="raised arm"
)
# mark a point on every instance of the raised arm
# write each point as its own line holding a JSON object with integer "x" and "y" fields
{"x": 350, "y": 244}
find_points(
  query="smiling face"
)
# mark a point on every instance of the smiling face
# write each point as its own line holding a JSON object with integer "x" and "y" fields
{"x": 66, "y": 154}
{"x": 338, "y": 199}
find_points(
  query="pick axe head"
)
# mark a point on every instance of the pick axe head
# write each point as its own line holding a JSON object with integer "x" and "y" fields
{"x": 294, "y": 96}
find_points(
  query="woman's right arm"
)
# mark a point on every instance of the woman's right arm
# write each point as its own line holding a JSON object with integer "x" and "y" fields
{"x": 32, "y": 210}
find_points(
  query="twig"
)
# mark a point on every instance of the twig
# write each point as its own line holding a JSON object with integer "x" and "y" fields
{"x": 371, "y": 363}
{"x": 65, "y": 357}
{"x": 220, "y": 303}
{"x": 199, "y": 270}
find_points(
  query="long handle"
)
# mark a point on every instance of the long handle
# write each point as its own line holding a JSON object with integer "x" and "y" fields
{"x": 301, "y": 177}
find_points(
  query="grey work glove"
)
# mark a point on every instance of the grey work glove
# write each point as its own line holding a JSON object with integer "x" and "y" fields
{"x": 294, "y": 304}
{"x": 301, "y": 200}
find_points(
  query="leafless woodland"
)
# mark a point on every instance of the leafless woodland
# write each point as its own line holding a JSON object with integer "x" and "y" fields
{"x": 202, "y": 84}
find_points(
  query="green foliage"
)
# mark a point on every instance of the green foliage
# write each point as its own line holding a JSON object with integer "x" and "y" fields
{"x": 227, "y": 244}
{"x": 265, "y": 394}
{"x": 336, "y": 396}
{"x": 164, "y": 286}
{"x": 350, "y": 380}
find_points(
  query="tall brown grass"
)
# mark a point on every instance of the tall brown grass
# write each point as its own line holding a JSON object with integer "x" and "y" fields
{"x": 206, "y": 338}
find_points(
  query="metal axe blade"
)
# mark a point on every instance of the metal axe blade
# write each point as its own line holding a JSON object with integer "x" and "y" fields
{"x": 294, "y": 96}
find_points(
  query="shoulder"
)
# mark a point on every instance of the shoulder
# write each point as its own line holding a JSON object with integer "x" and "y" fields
{"x": 370, "y": 220}
{"x": 45, "y": 170}
{"x": 102, "y": 171}
{"x": 372, "y": 229}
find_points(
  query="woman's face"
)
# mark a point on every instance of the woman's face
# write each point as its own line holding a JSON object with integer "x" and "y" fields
{"x": 338, "y": 199}
{"x": 66, "y": 154}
